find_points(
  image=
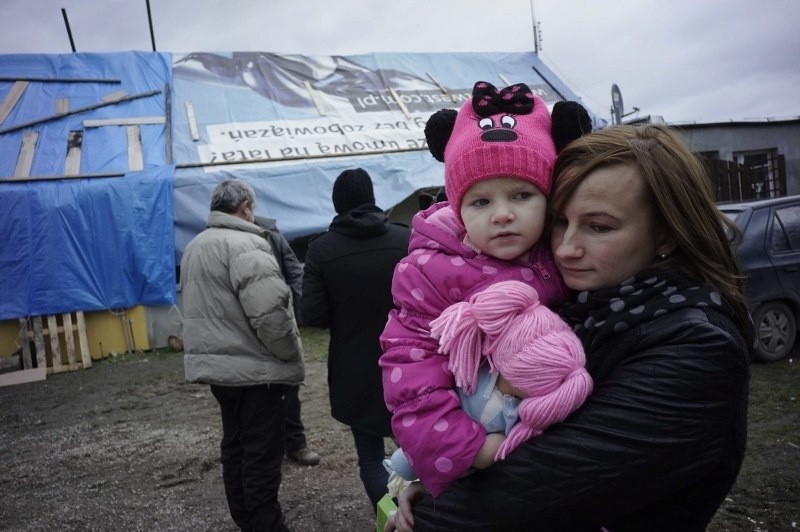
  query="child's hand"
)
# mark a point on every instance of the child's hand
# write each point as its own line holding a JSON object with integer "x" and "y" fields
{"x": 485, "y": 456}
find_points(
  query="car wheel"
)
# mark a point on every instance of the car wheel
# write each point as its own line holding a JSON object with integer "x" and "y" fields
{"x": 776, "y": 331}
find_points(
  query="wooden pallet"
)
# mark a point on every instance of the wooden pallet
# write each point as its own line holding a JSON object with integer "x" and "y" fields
{"x": 43, "y": 337}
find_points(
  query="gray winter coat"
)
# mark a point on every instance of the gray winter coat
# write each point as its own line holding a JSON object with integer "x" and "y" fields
{"x": 238, "y": 324}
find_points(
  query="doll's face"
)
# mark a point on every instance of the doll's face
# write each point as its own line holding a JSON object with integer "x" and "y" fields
{"x": 504, "y": 217}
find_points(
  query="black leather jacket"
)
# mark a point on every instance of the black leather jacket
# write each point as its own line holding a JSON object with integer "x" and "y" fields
{"x": 657, "y": 445}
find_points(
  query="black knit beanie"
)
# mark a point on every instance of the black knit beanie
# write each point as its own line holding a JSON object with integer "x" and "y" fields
{"x": 351, "y": 189}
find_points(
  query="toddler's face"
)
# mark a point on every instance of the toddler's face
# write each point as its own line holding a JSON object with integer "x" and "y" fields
{"x": 504, "y": 216}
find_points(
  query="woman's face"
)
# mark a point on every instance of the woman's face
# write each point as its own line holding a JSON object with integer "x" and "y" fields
{"x": 607, "y": 231}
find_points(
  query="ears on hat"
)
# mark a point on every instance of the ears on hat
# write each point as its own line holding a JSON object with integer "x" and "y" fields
{"x": 438, "y": 130}
{"x": 570, "y": 121}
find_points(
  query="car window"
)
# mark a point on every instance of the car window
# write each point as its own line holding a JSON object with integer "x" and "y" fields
{"x": 785, "y": 235}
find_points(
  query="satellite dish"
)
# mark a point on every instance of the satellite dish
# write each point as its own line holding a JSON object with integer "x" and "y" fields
{"x": 617, "y": 109}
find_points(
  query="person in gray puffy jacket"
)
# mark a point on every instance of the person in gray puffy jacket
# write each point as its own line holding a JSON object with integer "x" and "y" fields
{"x": 241, "y": 337}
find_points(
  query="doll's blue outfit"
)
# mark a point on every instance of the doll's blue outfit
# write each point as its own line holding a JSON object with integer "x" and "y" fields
{"x": 494, "y": 410}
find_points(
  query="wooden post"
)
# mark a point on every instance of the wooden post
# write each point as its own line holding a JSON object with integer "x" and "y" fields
{"x": 24, "y": 344}
{"x": 85, "y": 356}
{"x": 38, "y": 341}
{"x": 69, "y": 340}
{"x": 72, "y": 164}
{"x": 26, "y": 152}
{"x": 135, "y": 157}
{"x": 62, "y": 106}
{"x": 192, "y": 122}
{"x": 12, "y": 98}
{"x": 52, "y": 331}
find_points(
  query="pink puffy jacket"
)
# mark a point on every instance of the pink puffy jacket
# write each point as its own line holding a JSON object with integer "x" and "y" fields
{"x": 438, "y": 437}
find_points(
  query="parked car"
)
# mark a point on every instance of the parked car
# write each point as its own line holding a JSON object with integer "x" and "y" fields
{"x": 770, "y": 257}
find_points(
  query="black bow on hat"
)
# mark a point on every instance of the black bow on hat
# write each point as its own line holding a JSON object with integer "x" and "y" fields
{"x": 515, "y": 99}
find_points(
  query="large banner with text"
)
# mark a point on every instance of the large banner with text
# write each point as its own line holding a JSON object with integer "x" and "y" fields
{"x": 289, "y": 124}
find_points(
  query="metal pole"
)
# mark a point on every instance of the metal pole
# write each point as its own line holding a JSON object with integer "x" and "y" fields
{"x": 150, "y": 21}
{"x": 69, "y": 31}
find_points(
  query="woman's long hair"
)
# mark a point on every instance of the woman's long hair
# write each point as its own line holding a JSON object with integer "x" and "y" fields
{"x": 679, "y": 191}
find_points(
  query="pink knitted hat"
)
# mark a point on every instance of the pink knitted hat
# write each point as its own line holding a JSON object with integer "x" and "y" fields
{"x": 498, "y": 133}
{"x": 527, "y": 343}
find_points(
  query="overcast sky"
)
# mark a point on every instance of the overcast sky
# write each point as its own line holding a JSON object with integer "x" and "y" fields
{"x": 686, "y": 60}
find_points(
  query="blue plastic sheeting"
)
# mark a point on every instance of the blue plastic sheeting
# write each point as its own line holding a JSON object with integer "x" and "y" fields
{"x": 308, "y": 117}
{"x": 86, "y": 243}
{"x": 89, "y": 244}
{"x": 104, "y": 149}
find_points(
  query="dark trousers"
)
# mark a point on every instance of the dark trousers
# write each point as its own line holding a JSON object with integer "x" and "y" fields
{"x": 252, "y": 453}
{"x": 295, "y": 432}
{"x": 371, "y": 452}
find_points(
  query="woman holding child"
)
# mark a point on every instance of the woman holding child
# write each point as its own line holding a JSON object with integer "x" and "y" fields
{"x": 658, "y": 306}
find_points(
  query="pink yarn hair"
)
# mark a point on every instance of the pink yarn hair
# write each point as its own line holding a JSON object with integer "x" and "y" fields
{"x": 527, "y": 343}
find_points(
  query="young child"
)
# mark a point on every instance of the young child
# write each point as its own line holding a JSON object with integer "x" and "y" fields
{"x": 498, "y": 151}
{"x": 534, "y": 370}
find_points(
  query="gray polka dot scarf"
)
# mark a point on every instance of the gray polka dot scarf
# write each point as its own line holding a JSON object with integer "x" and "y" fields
{"x": 600, "y": 314}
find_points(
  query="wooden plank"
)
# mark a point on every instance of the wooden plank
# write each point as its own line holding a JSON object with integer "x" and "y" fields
{"x": 436, "y": 82}
{"x": 22, "y": 376}
{"x": 130, "y": 121}
{"x": 135, "y": 157}
{"x": 62, "y": 106}
{"x": 11, "y": 99}
{"x": 82, "y": 342}
{"x": 114, "y": 96}
{"x": 59, "y": 80}
{"x": 192, "y": 122}
{"x": 168, "y": 122}
{"x": 69, "y": 340}
{"x": 400, "y": 102}
{"x": 52, "y": 331}
{"x": 79, "y": 110}
{"x": 26, "y": 152}
{"x": 25, "y": 344}
{"x": 63, "y": 176}
{"x": 38, "y": 341}
{"x": 72, "y": 164}
{"x": 315, "y": 98}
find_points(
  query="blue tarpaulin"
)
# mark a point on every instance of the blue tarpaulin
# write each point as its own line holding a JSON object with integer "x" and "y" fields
{"x": 85, "y": 243}
{"x": 287, "y": 124}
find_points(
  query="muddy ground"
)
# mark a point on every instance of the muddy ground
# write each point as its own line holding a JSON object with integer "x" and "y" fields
{"x": 129, "y": 445}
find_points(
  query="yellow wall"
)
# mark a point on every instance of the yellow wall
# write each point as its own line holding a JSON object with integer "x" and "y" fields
{"x": 104, "y": 333}
{"x": 8, "y": 337}
{"x": 106, "y": 328}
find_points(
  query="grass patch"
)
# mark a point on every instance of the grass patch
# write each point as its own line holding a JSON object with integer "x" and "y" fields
{"x": 774, "y": 408}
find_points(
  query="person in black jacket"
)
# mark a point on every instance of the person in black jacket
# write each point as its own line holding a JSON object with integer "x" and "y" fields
{"x": 292, "y": 271}
{"x": 660, "y": 310}
{"x": 347, "y": 283}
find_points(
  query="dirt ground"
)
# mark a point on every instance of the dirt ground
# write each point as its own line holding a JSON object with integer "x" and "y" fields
{"x": 129, "y": 445}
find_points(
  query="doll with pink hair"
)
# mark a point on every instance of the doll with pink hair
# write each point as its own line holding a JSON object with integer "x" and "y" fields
{"x": 518, "y": 366}
{"x": 449, "y": 319}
